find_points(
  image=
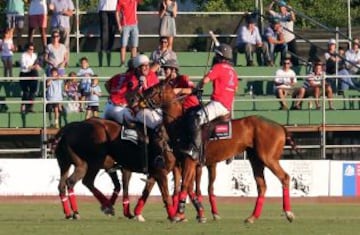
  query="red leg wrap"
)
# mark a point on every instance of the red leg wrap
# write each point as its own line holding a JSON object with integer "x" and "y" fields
{"x": 258, "y": 206}
{"x": 286, "y": 199}
{"x": 175, "y": 201}
{"x": 139, "y": 206}
{"x": 212, "y": 199}
{"x": 72, "y": 198}
{"x": 65, "y": 205}
{"x": 126, "y": 207}
{"x": 170, "y": 211}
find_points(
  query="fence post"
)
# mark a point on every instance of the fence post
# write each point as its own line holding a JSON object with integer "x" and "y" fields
{"x": 44, "y": 132}
{"x": 323, "y": 123}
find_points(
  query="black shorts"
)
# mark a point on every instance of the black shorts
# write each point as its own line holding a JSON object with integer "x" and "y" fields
{"x": 93, "y": 108}
{"x": 51, "y": 107}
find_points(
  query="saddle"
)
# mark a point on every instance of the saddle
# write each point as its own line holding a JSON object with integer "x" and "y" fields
{"x": 218, "y": 129}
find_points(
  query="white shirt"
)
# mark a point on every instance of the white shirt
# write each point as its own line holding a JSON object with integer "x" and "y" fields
{"x": 27, "y": 60}
{"x": 107, "y": 5}
{"x": 283, "y": 79}
{"x": 286, "y": 22}
{"x": 6, "y": 47}
{"x": 354, "y": 57}
{"x": 245, "y": 36}
{"x": 38, "y": 7}
{"x": 313, "y": 78}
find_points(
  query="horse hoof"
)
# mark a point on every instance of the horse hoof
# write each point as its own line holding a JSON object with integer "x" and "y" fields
{"x": 139, "y": 218}
{"x": 216, "y": 217}
{"x": 201, "y": 219}
{"x": 76, "y": 216}
{"x": 108, "y": 210}
{"x": 129, "y": 216}
{"x": 69, "y": 217}
{"x": 250, "y": 220}
{"x": 180, "y": 218}
{"x": 289, "y": 216}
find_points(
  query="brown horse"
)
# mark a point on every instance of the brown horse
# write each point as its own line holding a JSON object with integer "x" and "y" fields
{"x": 94, "y": 144}
{"x": 263, "y": 140}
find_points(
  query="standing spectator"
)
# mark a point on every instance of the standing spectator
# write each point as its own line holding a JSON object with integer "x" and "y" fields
{"x": 56, "y": 55}
{"x": 126, "y": 16}
{"x": 249, "y": 41}
{"x": 7, "y": 49}
{"x": 312, "y": 87}
{"x": 15, "y": 17}
{"x": 106, "y": 9}
{"x": 85, "y": 73}
{"x": 162, "y": 54}
{"x": 71, "y": 91}
{"x": 167, "y": 13}
{"x": 225, "y": 83}
{"x": 38, "y": 19}
{"x": 30, "y": 70}
{"x": 275, "y": 40}
{"x": 285, "y": 80}
{"x": 287, "y": 19}
{"x": 62, "y": 10}
{"x": 93, "y": 97}
{"x": 54, "y": 91}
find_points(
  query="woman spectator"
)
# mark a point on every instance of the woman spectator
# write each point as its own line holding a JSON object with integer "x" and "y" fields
{"x": 167, "y": 13}
{"x": 56, "y": 54}
{"x": 29, "y": 69}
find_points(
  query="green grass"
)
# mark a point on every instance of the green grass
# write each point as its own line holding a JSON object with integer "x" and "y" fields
{"x": 47, "y": 218}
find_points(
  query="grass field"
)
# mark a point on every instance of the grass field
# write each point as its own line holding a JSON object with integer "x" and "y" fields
{"x": 312, "y": 218}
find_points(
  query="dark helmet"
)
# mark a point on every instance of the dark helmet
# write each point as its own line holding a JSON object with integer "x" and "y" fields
{"x": 224, "y": 51}
{"x": 171, "y": 64}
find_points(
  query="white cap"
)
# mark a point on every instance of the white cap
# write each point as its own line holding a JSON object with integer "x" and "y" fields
{"x": 331, "y": 41}
{"x": 140, "y": 60}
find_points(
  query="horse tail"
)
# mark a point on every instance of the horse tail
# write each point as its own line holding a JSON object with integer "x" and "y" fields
{"x": 54, "y": 141}
{"x": 291, "y": 141}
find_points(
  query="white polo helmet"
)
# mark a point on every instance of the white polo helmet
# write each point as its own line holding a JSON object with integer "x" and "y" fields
{"x": 140, "y": 60}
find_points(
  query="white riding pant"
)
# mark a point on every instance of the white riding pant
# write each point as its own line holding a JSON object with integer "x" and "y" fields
{"x": 115, "y": 112}
{"x": 211, "y": 110}
{"x": 150, "y": 117}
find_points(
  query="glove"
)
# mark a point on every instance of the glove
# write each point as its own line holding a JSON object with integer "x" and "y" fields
{"x": 197, "y": 92}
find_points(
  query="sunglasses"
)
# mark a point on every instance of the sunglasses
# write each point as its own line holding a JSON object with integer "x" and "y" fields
{"x": 56, "y": 36}
{"x": 287, "y": 63}
{"x": 164, "y": 42}
{"x": 30, "y": 49}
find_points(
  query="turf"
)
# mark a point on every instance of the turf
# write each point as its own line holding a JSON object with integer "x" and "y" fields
{"x": 46, "y": 218}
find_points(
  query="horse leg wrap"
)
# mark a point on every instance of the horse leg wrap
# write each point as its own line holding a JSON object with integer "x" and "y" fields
{"x": 199, "y": 207}
{"x": 170, "y": 211}
{"x": 65, "y": 205}
{"x": 286, "y": 199}
{"x": 114, "y": 196}
{"x": 182, "y": 201}
{"x": 139, "y": 206}
{"x": 126, "y": 207}
{"x": 214, "y": 209}
{"x": 175, "y": 199}
{"x": 73, "y": 202}
{"x": 258, "y": 206}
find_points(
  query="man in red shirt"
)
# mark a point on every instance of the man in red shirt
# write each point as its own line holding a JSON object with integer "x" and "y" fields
{"x": 225, "y": 82}
{"x": 126, "y": 17}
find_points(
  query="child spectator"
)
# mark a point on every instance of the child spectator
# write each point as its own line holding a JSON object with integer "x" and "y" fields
{"x": 71, "y": 89}
{"x": 85, "y": 74}
{"x": 93, "y": 97}
{"x": 54, "y": 91}
{"x": 7, "y": 49}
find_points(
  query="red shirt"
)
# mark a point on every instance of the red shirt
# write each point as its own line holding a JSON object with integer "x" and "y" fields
{"x": 183, "y": 81}
{"x": 128, "y": 9}
{"x": 151, "y": 80}
{"x": 118, "y": 86}
{"x": 225, "y": 82}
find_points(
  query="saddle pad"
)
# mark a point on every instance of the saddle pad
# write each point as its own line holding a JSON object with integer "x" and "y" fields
{"x": 129, "y": 134}
{"x": 222, "y": 130}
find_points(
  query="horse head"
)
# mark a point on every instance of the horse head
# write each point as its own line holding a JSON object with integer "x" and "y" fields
{"x": 157, "y": 96}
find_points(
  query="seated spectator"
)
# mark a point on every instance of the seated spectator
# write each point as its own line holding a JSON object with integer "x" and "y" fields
{"x": 275, "y": 41}
{"x": 313, "y": 86}
{"x": 285, "y": 80}
{"x": 287, "y": 19}
{"x": 345, "y": 81}
{"x": 249, "y": 41}
{"x": 162, "y": 54}
{"x": 71, "y": 89}
{"x": 29, "y": 69}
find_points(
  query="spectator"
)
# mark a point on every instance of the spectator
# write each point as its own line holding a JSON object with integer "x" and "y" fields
{"x": 313, "y": 86}
{"x": 62, "y": 10}
{"x": 274, "y": 38}
{"x": 54, "y": 91}
{"x": 71, "y": 89}
{"x": 38, "y": 19}
{"x": 287, "y": 19}
{"x": 15, "y": 17}
{"x": 29, "y": 69}
{"x": 126, "y": 16}
{"x": 7, "y": 49}
{"x": 106, "y": 9}
{"x": 353, "y": 57}
{"x": 85, "y": 74}
{"x": 249, "y": 41}
{"x": 162, "y": 54}
{"x": 93, "y": 98}
{"x": 167, "y": 13}
{"x": 56, "y": 55}
{"x": 117, "y": 87}
{"x": 285, "y": 80}
{"x": 346, "y": 81}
